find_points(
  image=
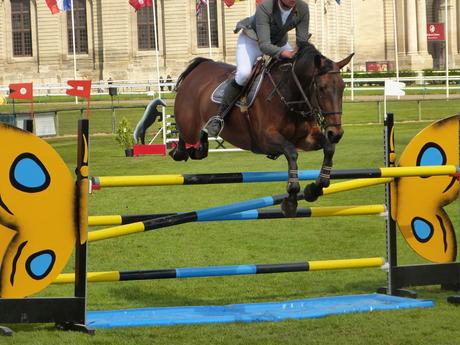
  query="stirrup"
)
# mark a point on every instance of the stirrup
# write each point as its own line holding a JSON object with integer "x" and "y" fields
{"x": 212, "y": 119}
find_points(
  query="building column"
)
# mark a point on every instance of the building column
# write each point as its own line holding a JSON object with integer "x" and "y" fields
{"x": 457, "y": 20}
{"x": 416, "y": 45}
{"x": 421, "y": 27}
{"x": 452, "y": 27}
{"x": 411, "y": 27}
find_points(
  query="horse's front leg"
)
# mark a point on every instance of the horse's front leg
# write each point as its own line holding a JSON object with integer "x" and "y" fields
{"x": 314, "y": 190}
{"x": 289, "y": 205}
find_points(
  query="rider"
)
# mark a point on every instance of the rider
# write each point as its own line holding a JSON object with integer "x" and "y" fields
{"x": 263, "y": 33}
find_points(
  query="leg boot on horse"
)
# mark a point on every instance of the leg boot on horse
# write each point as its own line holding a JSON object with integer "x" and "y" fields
{"x": 182, "y": 152}
{"x": 179, "y": 152}
{"x": 315, "y": 190}
{"x": 216, "y": 123}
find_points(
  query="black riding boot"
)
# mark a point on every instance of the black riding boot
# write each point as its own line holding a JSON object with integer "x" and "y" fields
{"x": 216, "y": 123}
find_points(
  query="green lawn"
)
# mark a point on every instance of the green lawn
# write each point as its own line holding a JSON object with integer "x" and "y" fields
{"x": 103, "y": 119}
{"x": 250, "y": 242}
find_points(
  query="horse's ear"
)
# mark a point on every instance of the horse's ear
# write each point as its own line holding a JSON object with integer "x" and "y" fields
{"x": 345, "y": 61}
{"x": 318, "y": 61}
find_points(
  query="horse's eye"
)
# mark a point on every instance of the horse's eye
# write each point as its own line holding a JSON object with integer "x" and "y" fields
{"x": 28, "y": 174}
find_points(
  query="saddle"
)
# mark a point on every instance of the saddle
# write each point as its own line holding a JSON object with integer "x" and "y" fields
{"x": 250, "y": 90}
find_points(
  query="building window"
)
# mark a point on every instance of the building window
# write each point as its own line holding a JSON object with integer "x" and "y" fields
{"x": 145, "y": 28}
{"x": 202, "y": 25}
{"x": 81, "y": 30}
{"x": 21, "y": 28}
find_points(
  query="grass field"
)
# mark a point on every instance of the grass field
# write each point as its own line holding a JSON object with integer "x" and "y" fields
{"x": 103, "y": 120}
{"x": 258, "y": 242}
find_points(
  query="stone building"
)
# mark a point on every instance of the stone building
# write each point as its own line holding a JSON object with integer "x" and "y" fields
{"x": 114, "y": 41}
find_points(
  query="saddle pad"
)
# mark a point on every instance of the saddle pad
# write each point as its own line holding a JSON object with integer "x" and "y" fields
{"x": 218, "y": 93}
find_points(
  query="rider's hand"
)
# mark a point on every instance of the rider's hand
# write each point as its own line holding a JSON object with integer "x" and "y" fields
{"x": 288, "y": 54}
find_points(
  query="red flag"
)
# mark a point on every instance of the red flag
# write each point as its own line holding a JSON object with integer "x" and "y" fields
{"x": 80, "y": 88}
{"x": 229, "y": 3}
{"x": 138, "y": 4}
{"x": 53, "y": 6}
{"x": 21, "y": 91}
{"x": 57, "y": 6}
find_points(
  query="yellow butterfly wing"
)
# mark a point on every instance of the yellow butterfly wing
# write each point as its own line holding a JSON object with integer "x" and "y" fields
{"x": 419, "y": 200}
{"x": 37, "y": 213}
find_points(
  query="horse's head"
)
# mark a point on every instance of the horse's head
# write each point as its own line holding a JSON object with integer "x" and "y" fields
{"x": 323, "y": 86}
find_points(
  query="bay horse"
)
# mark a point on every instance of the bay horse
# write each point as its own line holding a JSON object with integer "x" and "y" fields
{"x": 298, "y": 106}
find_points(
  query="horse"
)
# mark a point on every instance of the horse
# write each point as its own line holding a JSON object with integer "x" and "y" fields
{"x": 298, "y": 106}
{"x": 150, "y": 115}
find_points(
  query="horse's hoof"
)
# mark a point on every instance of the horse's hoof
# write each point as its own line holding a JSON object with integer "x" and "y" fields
{"x": 178, "y": 156}
{"x": 289, "y": 208}
{"x": 312, "y": 192}
{"x": 199, "y": 154}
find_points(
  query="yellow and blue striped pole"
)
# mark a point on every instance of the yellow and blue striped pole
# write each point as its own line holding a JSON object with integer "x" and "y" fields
{"x": 327, "y": 211}
{"x": 219, "y": 271}
{"x": 212, "y": 213}
{"x": 250, "y": 177}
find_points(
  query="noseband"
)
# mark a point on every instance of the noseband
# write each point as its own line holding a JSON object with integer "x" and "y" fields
{"x": 313, "y": 110}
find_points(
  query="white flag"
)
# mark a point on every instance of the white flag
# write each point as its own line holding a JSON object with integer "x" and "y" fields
{"x": 394, "y": 88}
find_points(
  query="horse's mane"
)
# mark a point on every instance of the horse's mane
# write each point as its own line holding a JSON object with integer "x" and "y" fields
{"x": 308, "y": 54}
{"x": 192, "y": 64}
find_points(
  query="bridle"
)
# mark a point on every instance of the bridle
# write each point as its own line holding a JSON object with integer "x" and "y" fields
{"x": 313, "y": 108}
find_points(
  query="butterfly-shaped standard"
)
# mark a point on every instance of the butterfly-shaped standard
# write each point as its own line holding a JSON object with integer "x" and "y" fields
{"x": 38, "y": 223}
{"x": 420, "y": 200}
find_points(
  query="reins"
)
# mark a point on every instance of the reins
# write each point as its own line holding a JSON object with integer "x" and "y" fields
{"x": 312, "y": 110}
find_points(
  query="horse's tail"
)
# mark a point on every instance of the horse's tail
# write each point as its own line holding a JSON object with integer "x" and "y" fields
{"x": 195, "y": 62}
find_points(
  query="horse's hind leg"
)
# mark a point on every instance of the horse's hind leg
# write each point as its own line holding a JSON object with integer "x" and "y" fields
{"x": 179, "y": 152}
{"x": 202, "y": 151}
{"x": 289, "y": 205}
{"x": 314, "y": 190}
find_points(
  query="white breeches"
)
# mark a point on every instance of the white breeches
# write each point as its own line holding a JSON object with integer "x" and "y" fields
{"x": 247, "y": 52}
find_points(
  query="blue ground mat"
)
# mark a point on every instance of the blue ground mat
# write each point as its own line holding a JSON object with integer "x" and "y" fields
{"x": 271, "y": 311}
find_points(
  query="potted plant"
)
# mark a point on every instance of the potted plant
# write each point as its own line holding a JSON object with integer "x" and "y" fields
{"x": 124, "y": 136}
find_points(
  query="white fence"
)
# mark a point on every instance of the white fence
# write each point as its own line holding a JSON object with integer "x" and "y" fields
{"x": 150, "y": 87}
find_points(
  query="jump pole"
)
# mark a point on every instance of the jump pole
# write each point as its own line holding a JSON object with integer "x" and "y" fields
{"x": 210, "y": 213}
{"x": 220, "y": 271}
{"x": 251, "y": 177}
{"x": 329, "y": 211}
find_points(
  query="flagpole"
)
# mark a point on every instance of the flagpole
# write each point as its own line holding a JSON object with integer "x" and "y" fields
{"x": 336, "y": 30}
{"x": 74, "y": 49}
{"x": 208, "y": 12}
{"x": 14, "y": 109}
{"x": 157, "y": 56}
{"x": 155, "y": 32}
{"x": 395, "y": 28}
{"x": 88, "y": 107}
{"x": 384, "y": 106}
{"x": 32, "y": 113}
{"x": 322, "y": 25}
{"x": 352, "y": 50}
{"x": 447, "y": 46}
